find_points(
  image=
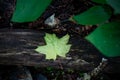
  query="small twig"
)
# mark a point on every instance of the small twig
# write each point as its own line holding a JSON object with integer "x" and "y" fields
{"x": 97, "y": 70}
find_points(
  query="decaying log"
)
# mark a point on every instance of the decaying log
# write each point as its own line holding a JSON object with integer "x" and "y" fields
{"x": 17, "y": 48}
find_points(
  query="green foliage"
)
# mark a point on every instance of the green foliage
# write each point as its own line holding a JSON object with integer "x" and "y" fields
{"x": 115, "y": 5}
{"x": 100, "y": 1}
{"x": 29, "y": 10}
{"x": 54, "y": 46}
{"x": 107, "y": 39}
{"x": 95, "y": 15}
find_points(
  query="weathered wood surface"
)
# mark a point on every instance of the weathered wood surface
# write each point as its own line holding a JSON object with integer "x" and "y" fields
{"x": 17, "y": 48}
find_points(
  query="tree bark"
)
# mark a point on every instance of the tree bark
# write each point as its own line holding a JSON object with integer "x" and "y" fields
{"x": 17, "y": 48}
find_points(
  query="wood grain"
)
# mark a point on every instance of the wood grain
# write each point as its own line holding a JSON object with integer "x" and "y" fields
{"x": 17, "y": 48}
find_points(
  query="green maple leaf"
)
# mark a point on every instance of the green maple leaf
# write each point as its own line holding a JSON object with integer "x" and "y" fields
{"x": 54, "y": 46}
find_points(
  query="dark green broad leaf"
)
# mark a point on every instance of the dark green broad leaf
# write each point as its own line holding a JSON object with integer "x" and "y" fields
{"x": 95, "y": 15}
{"x": 106, "y": 38}
{"x": 100, "y": 1}
{"x": 115, "y": 4}
{"x": 29, "y": 10}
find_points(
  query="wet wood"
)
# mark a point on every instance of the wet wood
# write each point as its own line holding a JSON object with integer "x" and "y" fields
{"x": 17, "y": 48}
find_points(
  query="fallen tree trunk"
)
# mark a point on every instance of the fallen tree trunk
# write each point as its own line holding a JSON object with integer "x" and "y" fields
{"x": 17, "y": 48}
